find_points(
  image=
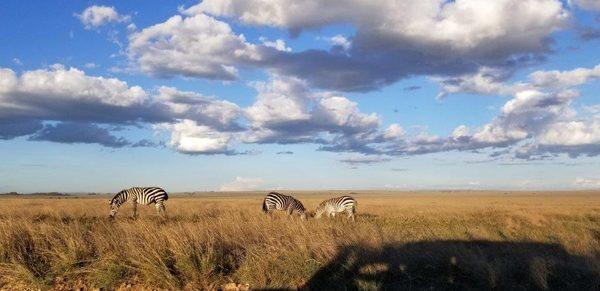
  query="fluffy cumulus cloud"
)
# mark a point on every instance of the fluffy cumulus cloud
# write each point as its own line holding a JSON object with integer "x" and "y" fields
{"x": 196, "y": 46}
{"x": 538, "y": 122}
{"x": 189, "y": 137}
{"x": 58, "y": 93}
{"x": 66, "y": 105}
{"x": 489, "y": 81}
{"x": 286, "y": 111}
{"x": 564, "y": 79}
{"x": 528, "y": 114}
{"x": 80, "y": 102}
{"x": 395, "y": 39}
{"x": 486, "y": 81}
{"x": 96, "y": 16}
{"x": 219, "y": 114}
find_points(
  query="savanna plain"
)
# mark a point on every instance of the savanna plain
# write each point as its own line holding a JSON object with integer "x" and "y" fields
{"x": 400, "y": 241}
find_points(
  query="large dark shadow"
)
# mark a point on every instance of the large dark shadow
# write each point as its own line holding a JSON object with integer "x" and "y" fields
{"x": 458, "y": 265}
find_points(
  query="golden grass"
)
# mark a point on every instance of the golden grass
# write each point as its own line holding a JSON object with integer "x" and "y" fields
{"x": 420, "y": 240}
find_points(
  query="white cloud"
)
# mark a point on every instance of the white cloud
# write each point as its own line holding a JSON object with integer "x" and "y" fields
{"x": 131, "y": 27}
{"x": 190, "y": 138}
{"x": 197, "y": 46}
{"x": 564, "y": 79}
{"x": 280, "y": 100}
{"x": 536, "y": 122}
{"x": 524, "y": 116}
{"x": 287, "y": 111}
{"x": 490, "y": 81}
{"x": 394, "y": 131}
{"x": 463, "y": 26}
{"x": 278, "y": 44}
{"x": 80, "y": 102}
{"x": 96, "y": 16}
{"x": 242, "y": 184}
{"x": 393, "y": 39}
{"x": 587, "y": 182}
{"x": 60, "y": 84}
{"x": 571, "y": 133}
{"x": 486, "y": 81}
{"x": 340, "y": 40}
{"x": 339, "y": 112}
{"x": 206, "y": 110}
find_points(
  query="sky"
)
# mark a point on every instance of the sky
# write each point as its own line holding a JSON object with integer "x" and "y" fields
{"x": 227, "y": 95}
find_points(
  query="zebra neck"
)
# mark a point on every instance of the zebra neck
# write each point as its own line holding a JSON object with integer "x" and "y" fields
{"x": 124, "y": 197}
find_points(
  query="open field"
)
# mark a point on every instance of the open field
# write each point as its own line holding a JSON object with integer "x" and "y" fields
{"x": 408, "y": 240}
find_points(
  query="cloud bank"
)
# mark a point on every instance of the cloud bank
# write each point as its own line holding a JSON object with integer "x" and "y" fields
{"x": 393, "y": 39}
{"x": 66, "y": 105}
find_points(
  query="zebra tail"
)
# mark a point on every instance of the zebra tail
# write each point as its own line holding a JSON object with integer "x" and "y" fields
{"x": 264, "y": 206}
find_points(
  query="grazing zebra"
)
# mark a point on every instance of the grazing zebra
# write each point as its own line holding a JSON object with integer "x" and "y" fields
{"x": 139, "y": 195}
{"x": 282, "y": 202}
{"x": 335, "y": 205}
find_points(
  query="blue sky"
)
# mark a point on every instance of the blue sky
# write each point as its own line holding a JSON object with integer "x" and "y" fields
{"x": 96, "y": 96}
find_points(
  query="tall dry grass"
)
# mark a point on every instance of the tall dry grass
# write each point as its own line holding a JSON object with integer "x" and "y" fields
{"x": 423, "y": 240}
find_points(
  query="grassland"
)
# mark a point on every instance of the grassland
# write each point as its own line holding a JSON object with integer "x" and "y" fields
{"x": 405, "y": 240}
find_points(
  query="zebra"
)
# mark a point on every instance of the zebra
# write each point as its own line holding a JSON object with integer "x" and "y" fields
{"x": 336, "y": 205}
{"x": 282, "y": 202}
{"x": 139, "y": 195}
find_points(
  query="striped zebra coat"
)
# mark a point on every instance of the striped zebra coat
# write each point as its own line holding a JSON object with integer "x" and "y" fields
{"x": 336, "y": 205}
{"x": 139, "y": 195}
{"x": 278, "y": 201}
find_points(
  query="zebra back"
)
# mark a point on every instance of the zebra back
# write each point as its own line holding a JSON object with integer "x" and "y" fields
{"x": 143, "y": 195}
{"x": 342, "y": 202}
{"x": 282, "y": 202}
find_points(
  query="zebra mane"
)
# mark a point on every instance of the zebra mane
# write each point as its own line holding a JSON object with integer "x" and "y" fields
{"x": 116, "y": 198}
{"x": 322, "y": 204}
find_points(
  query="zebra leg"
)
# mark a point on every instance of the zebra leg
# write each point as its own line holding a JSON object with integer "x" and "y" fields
{"x": 160, "y": 208}
{"x": 267, "y": 210}
{"x": 134, "y": 205}
{"x": 350, "y": 212}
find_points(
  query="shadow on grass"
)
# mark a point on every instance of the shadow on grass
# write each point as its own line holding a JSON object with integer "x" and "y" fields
{"x": 457, "y": 265}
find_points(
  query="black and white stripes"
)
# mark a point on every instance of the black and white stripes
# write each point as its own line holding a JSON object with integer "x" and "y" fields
{"x": 139, "y": 195}
{"x": 278, "y": 201}
{"x": 336, "y": 205}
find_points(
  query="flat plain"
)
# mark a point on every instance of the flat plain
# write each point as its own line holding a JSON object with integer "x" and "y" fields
{"x": 401, "y": 240}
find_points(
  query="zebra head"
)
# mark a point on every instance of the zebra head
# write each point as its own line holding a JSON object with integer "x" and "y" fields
{"x": 303, "y": 215}
{"x": 114, "y": 203}
{"x": 317, "y": 214}
{"x": 319, "y": 211}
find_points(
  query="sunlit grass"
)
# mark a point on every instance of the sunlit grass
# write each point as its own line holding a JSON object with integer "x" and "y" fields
{"x": 209, "y": 241}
